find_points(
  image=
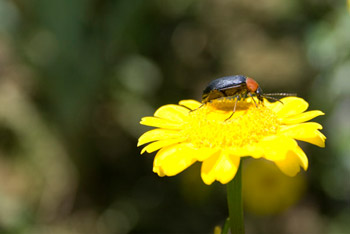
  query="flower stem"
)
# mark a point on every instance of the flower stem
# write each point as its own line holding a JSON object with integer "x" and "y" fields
{"x": 235, "y": 205}
{"x": 226, "y": 227}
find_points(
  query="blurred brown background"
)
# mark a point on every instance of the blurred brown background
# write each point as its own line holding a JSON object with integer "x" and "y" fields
{"x": 77, "y": 76}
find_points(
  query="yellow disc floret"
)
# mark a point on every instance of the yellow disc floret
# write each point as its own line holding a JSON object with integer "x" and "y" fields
{"x": 211, "y": 125}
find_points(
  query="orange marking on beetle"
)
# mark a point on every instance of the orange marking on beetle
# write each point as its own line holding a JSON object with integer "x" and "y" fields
{"x": 252, "y": 85}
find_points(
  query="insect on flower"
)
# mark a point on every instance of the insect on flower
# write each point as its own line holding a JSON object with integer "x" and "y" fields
{"x": 237, "y": 87}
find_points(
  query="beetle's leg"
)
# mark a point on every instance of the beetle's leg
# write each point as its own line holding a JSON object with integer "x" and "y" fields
{"x": 234, "y": 108}
{"x": 196, "y": 108}
{"x": 261, "y": 101}
{"x": 250, "y": 95}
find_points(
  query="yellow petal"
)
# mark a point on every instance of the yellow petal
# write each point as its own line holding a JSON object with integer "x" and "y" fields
{"x": 202, "y": 153}
{"x": 198, "y": 154}
{"x": 292, "y": 106}
{"x": 274, "y": 106}
{"x": 303, "y": 117}
{"x": 173, "y": 159}
{"x": 221, "y": 167}
{"x": 156, "y": 135}
{"x": 172, "y": 112}
{"x": 154, "y": 146}
{"x": 290, "y": 165}
{"x": 275, "y": 147}
{"x": 305, "y": 132}
{"x": 191, "y": 104}
{"x": 160, "y": 123}
{"x": 252, "y": 150}
{"x": 304, "y": 162}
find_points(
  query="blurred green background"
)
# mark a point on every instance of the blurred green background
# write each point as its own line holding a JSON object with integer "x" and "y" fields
{"x": 76, "y": 77}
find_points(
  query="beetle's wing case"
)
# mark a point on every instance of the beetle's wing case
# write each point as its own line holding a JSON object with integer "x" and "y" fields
{"x": 225, "y": 83}
{"x": 222, "y": 84}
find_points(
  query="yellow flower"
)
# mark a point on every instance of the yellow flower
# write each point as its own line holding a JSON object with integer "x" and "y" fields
{"x": 189, "y": 132}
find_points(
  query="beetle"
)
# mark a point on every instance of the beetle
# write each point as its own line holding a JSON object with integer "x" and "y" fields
{"x": 231, "y": 86}
{"x": 236, "y": 87}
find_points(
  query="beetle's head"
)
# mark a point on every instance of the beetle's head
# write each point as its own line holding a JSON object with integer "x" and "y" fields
{"x": 259, "y": 94}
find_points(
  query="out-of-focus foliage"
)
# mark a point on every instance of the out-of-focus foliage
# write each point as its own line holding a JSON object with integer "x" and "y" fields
{"x": 76, "y": 76}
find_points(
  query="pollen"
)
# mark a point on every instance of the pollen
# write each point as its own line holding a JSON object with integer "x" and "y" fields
{"x": 210, "y": 125}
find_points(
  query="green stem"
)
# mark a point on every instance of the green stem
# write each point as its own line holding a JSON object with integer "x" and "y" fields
{"x": 226, "y": 227}
{"x": 235, "y": 204}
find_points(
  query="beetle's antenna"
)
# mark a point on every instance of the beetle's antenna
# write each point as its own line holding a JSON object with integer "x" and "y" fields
{"x": 280, "y": 94}
{"x": 269, "y": 96}
{"x": 272, "y": 98}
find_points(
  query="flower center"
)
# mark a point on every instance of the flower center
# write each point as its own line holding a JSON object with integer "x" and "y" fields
{"x": 210, "y": 125}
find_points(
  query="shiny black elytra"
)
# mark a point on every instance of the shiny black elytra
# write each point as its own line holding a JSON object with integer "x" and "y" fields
{"x": 236, "y": 87}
